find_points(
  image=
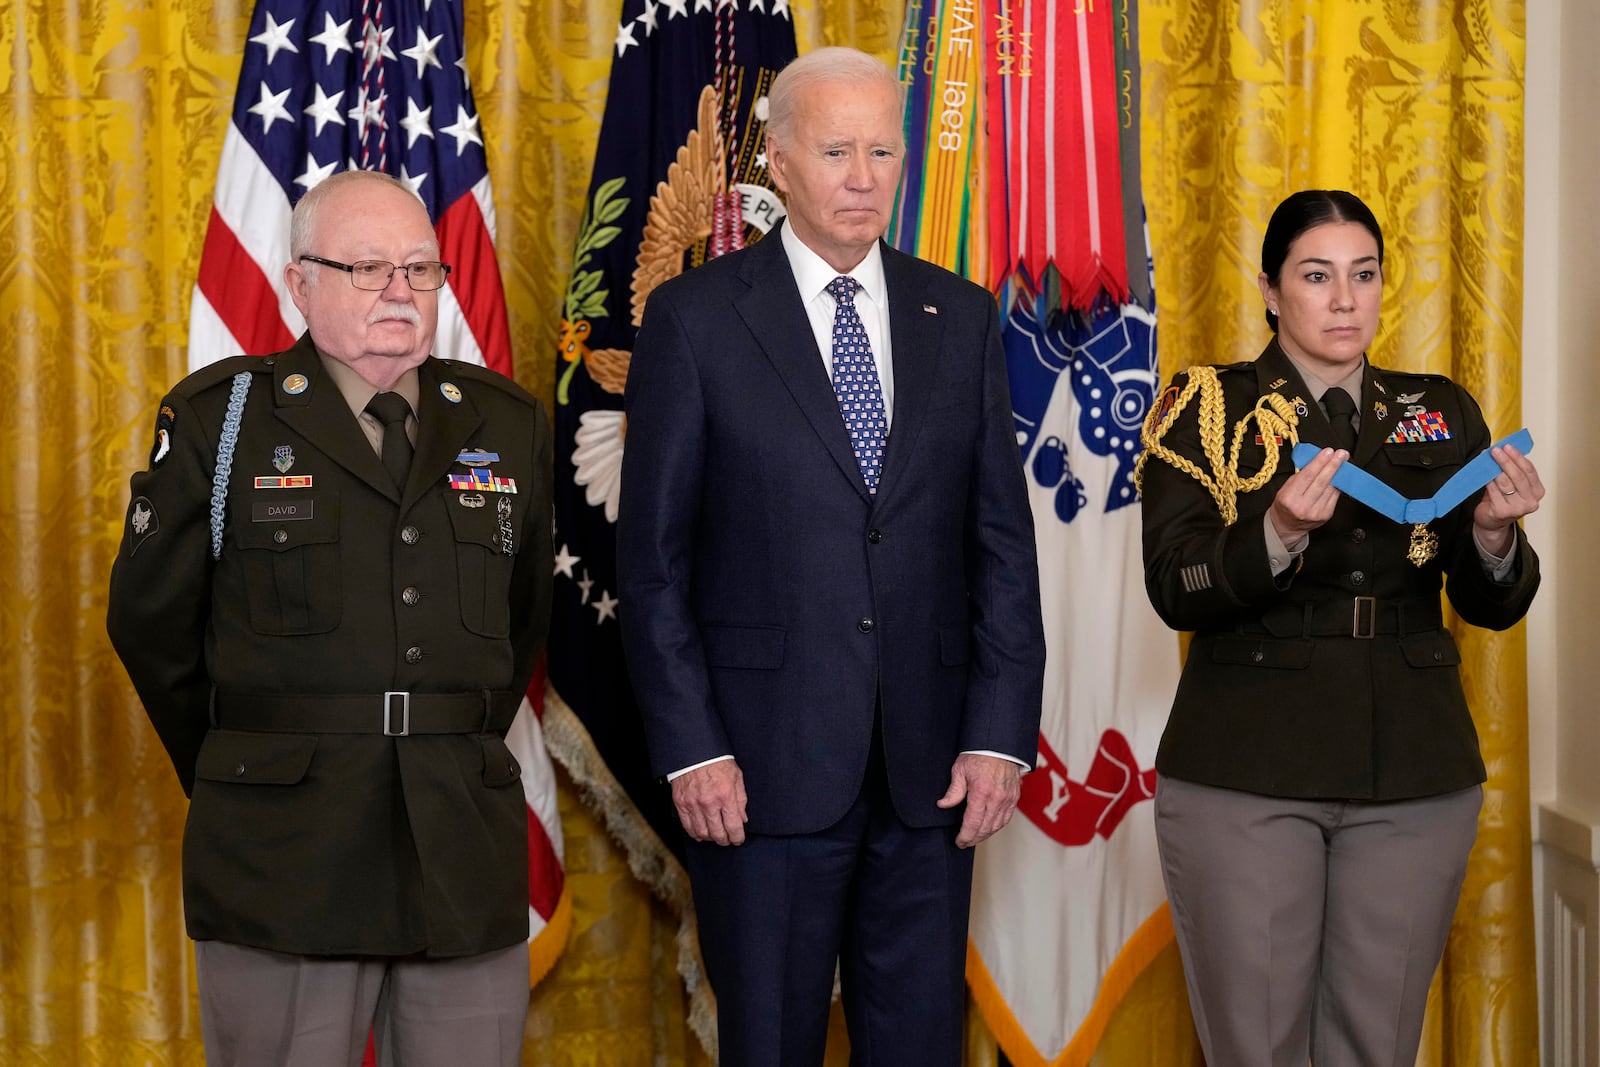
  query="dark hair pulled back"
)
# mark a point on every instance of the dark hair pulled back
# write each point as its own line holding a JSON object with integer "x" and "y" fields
{"x": 1302, "y": 211}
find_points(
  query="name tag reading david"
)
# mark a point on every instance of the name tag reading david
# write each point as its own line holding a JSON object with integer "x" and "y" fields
{"x": 279, "y": 510}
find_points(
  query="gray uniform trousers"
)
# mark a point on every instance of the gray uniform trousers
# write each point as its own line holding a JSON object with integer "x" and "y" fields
{"x": 1311, "y": 929}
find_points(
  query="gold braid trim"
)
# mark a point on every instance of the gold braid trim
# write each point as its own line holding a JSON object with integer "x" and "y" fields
{"x": 1273, "y": 415}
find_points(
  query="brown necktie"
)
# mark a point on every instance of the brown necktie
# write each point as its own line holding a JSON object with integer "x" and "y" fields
{"x": 1339, "y": 406}
{"x": 391, "y": 409}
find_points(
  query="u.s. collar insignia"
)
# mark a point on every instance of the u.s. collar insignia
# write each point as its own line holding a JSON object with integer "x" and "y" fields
{"x": 295, "y": 384}
{"x": 283, "y": 458}
{"x": 477, "y": 457}
{"x": 1380, "y": 409}
{"x": 450, "y": 392}
{"x": 1279, "y": 384}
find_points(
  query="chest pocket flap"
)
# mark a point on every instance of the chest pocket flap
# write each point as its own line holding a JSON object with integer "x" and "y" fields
{"x": 288, "y": 549}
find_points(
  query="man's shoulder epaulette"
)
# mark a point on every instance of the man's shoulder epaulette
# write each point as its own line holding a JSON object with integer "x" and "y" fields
{"x": 220, "y": 373}
{"x": 484, "y": 376}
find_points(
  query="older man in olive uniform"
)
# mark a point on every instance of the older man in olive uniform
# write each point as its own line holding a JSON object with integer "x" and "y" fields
{"x": 332, "y": 588}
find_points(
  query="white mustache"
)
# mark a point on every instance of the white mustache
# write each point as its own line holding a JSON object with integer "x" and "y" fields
{"x": 391, "y": 309}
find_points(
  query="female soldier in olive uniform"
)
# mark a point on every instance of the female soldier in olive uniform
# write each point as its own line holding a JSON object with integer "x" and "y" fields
{"x": 1319, "y": 773}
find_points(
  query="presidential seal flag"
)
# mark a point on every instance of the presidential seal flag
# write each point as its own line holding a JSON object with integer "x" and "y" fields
{"x": 331, "y": 85}
{"x": 679, "y": 177}
{"x": 1022, "y": 174}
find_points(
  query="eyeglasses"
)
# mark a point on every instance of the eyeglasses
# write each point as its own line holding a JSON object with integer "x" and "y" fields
{"x": 375, "y": 274}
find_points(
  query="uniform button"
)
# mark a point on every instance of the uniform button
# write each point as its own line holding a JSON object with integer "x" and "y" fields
{"x": 1427, "y": 461}
{"x": 865, "y": 626}
{"x": 268, "y": 361}
{"x": 1358, "y": 535}
{"x": 874, "y": 536}
{"x": 1437, "y": 655}
{"x": 280, "y": 536}
{"x": 410, "y": 595}
{"x": 414, "y": 654}
{"x": 238, "y": 769}
{"x": 410, "y": 535}
{"x": 512, "y": 768}
{"x": 1257, "y": 656}
{"x": 1358, "y": 577}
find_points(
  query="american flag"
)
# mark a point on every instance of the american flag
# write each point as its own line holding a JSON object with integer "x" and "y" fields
{"x": 378, "y": 85}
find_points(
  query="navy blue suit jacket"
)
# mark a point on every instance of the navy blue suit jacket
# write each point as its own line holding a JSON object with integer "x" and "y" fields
{"x": 768, "y": 601}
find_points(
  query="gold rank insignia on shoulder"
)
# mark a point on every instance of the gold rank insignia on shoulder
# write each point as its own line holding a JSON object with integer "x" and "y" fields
{"x": 450, "y": 392}
{"x": 295, "y": 384}
{"x": 1424, "y": 544}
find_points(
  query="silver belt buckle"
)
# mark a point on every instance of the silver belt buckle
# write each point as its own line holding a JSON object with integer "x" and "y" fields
{"x": 1364, "y": 617}
{"x": 389, "y": 710}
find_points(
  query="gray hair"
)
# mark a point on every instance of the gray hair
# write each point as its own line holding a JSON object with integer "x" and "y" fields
{"x": 825, "y": 65}
{"x": 303, "y": 220}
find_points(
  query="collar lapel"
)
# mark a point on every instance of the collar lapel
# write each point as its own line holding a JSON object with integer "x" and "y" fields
{"x": 1375, "y": 427}
{"x": 443, "y": 429}
{"x": 320, "y": 415}
{"x": 772, "y": 311}
{"x": 1275, "y": 366}
{"x": 914, "y": 334}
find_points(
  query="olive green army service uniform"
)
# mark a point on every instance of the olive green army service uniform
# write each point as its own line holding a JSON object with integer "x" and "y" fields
{"x": 335, "y": 688}
{"x": 1319, "y": 771}
{"x": 1337, "y": 678}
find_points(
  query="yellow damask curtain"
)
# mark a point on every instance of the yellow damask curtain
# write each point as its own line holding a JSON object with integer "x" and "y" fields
{"x": 106, "y": 172}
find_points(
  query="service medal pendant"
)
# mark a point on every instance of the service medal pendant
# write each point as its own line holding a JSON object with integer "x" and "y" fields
{"x": 1424, "y": 544}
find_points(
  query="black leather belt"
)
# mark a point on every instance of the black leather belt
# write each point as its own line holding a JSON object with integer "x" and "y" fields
{"x": 1361, "y": 616}
{"x": 392, "y": 714}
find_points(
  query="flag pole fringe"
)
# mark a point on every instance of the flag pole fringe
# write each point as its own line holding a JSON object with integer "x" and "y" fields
{"x": 648, "y": 858}
{"x": 1147, "y": 942}
{"x": 545, "y": 949}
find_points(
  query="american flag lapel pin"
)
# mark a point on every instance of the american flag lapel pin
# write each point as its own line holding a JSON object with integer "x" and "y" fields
{"x": 930, "y": 309}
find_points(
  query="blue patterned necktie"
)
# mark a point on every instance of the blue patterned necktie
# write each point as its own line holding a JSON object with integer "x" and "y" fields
{"x": 855, "y": 382}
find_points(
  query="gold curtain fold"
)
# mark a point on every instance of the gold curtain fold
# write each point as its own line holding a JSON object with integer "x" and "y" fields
{"x": 1416, "y": 106}
{"x": 106, "y": 174}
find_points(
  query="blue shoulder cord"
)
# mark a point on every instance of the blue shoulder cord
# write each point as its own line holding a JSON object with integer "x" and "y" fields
{"x": 225, "y": 447}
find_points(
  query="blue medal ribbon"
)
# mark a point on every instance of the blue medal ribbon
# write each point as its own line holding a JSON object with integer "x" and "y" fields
{"x": 1351, "y": 480}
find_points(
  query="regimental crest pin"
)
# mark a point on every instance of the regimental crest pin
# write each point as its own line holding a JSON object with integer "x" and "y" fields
{"x": 283, "y": 458}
